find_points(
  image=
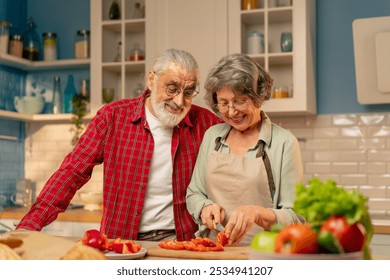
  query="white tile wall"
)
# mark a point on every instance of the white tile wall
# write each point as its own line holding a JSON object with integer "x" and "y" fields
{"x": 46, "y": 146}
{"x": 352, "y": 149}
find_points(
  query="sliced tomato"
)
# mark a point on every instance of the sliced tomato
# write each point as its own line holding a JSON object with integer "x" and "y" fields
{"x": 172, "y": 245}
{"x": 218, "y": 247}
{"x": 222, "y": 239}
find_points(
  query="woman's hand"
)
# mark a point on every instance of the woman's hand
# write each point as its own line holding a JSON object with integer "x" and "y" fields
{"x": 242, "y": 219}
{"x": 212, "y": 214}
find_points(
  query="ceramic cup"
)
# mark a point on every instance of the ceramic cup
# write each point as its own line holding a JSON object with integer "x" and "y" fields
{"x": 286, "y": 42}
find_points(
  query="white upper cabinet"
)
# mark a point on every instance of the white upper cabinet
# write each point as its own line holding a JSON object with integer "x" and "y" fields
{"x": 199, "y": 27}
{"x": 295, "y": 69}
{"x": 113, "y": 63}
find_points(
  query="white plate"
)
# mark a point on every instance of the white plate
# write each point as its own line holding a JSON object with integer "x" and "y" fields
{"x": 116, "y": 256}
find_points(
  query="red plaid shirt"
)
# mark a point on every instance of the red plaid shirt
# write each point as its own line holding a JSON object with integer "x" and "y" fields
{"x": 120, "y": 137}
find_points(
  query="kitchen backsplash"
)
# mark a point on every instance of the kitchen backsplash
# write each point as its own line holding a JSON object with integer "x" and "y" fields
{"x": 352, "y": 149}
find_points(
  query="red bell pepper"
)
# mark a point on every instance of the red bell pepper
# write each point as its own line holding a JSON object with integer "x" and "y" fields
{"x": 296, "y": 239}
{"x": 95, "y": 239}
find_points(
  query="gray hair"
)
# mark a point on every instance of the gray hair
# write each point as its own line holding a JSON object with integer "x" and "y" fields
{"x": 179, "y": 57}
{"x": 243, "y": 75}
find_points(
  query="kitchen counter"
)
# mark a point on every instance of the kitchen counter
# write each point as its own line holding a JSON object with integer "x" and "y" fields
{"x": 40, "y": 246}
{"x": 70, "y": 215}
{"x": 381, "y": 226}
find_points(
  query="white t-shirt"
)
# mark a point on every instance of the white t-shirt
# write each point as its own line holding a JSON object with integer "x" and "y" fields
{"x": 158, "y": 206}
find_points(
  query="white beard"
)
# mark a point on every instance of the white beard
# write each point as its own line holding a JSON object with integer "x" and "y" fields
{"x": 164, "y": 116}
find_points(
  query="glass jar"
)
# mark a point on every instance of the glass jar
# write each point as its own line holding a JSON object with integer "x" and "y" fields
{"x": 49, "y": 46}
{"x": 16, "y": 45}
{"x": 249, "y": 4}
{"x": 82, "y": 48}
{"x": 255, "y": 42}
{"x": 4, "y": 35}
{"x": 136, "y": 53}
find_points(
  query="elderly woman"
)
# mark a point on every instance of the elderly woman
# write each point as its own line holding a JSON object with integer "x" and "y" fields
{"x": 247, "y": 167}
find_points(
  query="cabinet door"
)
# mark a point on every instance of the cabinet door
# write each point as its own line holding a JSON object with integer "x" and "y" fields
{"x": 295, "y": 69}
{"x": 199, "y": 27}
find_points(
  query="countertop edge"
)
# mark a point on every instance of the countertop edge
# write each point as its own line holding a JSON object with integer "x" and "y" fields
{"x": 381, "y": 226}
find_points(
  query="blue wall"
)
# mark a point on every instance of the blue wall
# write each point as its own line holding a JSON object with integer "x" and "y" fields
{"x": 62, "y": 17}
{"x": 336, "y": 84}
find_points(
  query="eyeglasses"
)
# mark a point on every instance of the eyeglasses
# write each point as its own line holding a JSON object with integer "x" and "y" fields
{"x": 238, "y": 105}
{"x": 172, "y": 91}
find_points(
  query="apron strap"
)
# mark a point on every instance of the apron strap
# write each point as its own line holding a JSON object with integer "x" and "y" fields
{"x": 217, "y": 143}
{"x": 267, "y": 164}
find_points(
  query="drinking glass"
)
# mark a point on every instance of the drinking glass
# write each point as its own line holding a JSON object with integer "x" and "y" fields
{"x": 108, "y": 95}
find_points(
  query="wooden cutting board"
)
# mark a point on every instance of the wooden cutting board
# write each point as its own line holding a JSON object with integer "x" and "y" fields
{"x": 231, "y": 252}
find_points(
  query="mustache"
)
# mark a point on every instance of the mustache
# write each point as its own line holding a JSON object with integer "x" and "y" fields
{"x": 173, "y": 105}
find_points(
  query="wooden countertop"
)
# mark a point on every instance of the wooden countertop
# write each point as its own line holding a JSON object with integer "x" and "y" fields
{"x": 381, "y": 226}
{"x": 70, "y": 215}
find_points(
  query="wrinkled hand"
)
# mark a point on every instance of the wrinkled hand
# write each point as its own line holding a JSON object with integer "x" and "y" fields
{"x": 240, "y": 222}
{"x": 212, "y": 214}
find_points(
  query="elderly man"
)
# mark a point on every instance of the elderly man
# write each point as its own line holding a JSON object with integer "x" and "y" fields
{"x": 149, "y": 147}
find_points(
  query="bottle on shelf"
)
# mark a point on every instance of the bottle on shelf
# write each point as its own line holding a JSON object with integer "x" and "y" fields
{"x": 70, "y": 91}
{"x": 31, "y": 43}
{"x": 137, "y": 11}
{"x": 84, "y": 91}
{"x": 118, "y": 56}
{"x": 136, "y": 53}
{"x": 115, "y": 11}
{"x": 57, "y": 96}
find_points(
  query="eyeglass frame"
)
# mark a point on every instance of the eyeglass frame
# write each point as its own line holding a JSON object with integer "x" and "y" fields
{"x": 179, "y": 90}
{"x": 216, "y": 106}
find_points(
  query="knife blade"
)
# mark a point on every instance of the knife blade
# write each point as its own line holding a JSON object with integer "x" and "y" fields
{"x": 219, "y": 227}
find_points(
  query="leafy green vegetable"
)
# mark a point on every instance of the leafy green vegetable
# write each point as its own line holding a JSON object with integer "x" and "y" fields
{"x": 320, "y": 200}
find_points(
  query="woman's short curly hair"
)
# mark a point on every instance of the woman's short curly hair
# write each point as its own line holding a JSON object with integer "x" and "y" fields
{"x": 243, "y": 75}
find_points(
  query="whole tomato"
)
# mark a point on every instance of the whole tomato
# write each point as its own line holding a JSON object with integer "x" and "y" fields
{"x": 350, "y": 237}
{"x": 296, "y": 239}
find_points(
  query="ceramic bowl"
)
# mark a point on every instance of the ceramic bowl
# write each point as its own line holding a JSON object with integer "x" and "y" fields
{"x": 92, "y": 200}
{"x": 258, "y": 255}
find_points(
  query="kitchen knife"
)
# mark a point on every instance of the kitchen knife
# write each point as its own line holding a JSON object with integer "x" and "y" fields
{"x": 219, "y": 227}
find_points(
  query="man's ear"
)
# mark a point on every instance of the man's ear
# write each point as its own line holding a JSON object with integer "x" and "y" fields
{"x": 151, "y": 80}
